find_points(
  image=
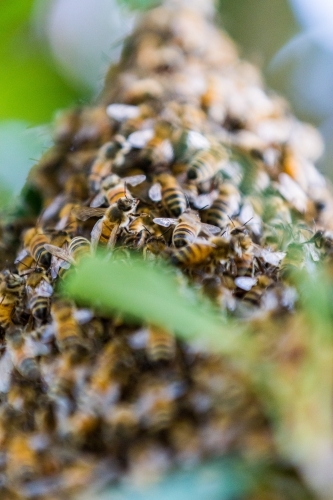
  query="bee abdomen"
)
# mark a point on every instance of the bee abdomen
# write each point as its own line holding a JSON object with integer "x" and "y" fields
{"x": 175, "y": 201}
{"x": 161, "y": 345}
{"x": 183, "y": 235}
{"x": 40, "y": 307}
{"x": 191, "y": 254}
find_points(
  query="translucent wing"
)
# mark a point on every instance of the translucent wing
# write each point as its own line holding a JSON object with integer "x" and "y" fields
{"x": 96, "y": 233}
{"x": 83, "y": 315}
{"x": 164, "y": 221}
{"x": 245, "y": 282}
{"x": 54, "y": 207}
{"x": 140, "y": 138}
{"x": 210, "y": 229}
{"x": 134, "y": 180}
{"x": 59, "y": 252}
{"x": 56, "y": 264}
{"x": 22, "y": 254}
{"x": 84, "y": 213}
{"x": 98, "y": 200}
{"x": 113, "y": 237}
{"x": 122, "y": 112}
{"x": 155, "y": 192}
{"x": 44, "y": 289}
{"x": 203, "y": 201}
{"x": 269, "y": 257}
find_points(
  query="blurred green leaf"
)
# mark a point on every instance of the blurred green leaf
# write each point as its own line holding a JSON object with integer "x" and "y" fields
{"x": 139, "y": 4}
{"x": 152, "y": 293}
{"x": 30, "y": 86}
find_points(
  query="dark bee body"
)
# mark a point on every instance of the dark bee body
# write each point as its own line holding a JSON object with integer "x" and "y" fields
{"x": 254, "y": 295}
{"x": 35, "y": 242}
{"x": 206, "y": 163}
{"x": 186, "y": 230}
{"x": 22, "y": 355}
{"x": 173, "y": 198}
{"x": 39, "y": 290}
{"x": 225, "y": 206}
{"x": 192, "y": 254}
{"x": 161, "y": 345}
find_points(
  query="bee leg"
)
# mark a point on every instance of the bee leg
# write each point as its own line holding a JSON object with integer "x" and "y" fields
{"x": 113, "y": 238}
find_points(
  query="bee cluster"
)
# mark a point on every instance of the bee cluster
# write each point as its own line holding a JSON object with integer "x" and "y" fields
{"x": 186, "y": 159}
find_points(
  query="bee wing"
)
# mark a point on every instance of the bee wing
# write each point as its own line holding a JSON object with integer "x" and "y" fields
{"x": 140, "y": 138}
{"x": 96, "y": 234}
{"x": 56, "y": 264}
{"x": 165, "y": 221}
{"x": 269, "y": 257}
{"x": 155, "y": 192}
{"x": 83, "y": 315}
{"x": 84, "y": 213}
{"x": 113, "y": 237}
{"x": 210, "y": 229}
{"x": 98, "y": 200}
{"x": 59, "y": 252}
{"x": 44, "y": 289}
{"x": 51, "y": 211}
{"x": 122, "y": 112}
{"x": 245, "y": 282}
{"x": 134, "y": 180}
{"x": 22, "y": 254}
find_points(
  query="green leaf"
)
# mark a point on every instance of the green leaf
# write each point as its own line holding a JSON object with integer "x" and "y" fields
{"x": 139, "y": 4}
{"x": 151, "y": 293}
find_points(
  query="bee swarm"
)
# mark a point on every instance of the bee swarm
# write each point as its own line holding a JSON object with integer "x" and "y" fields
{"x": 186, "y": 158}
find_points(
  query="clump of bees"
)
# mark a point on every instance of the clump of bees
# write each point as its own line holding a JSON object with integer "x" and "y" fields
{"x": 186, "y": 159}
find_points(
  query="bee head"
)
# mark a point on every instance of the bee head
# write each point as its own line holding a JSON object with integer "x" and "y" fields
{"x": 127, "y": 204}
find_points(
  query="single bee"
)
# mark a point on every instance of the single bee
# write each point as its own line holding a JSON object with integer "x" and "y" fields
{"x": 158, "y": 149}
{"x": 108, "y": 154}
{"x": 220, "y": 291}
{"x": 167, "y": 190}
{"x": 39, "y": 291}
{"x": 66, "y": 327}
{"x": 67, "y": 221}
{"x": 255, "y": 294}
{"x": 11, "y": 283}
{"x": 22, "y": 459}
{"x": 154, "y": 247}
{"x": 63, "y": 258}
{"x": 34, "y": 241}
{"x": 225, "y": 206}
{"x": 7, "y": 307}
{"x": 137, "y": 234}
{"x": 113, "y": 188}
{"x": 188, "y": 227}
{"x": 207, "y": 163}
{"x": 193, "y": 254}
{"x": 161, "y": 345}
{"x": 22, "y": 355}
{"x": 116, "y": 216}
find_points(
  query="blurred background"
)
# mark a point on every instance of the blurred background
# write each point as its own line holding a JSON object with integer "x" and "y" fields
{"x": 54, "y": 54}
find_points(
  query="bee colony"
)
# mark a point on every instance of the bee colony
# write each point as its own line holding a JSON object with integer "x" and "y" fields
{"x": 187, "y": 159}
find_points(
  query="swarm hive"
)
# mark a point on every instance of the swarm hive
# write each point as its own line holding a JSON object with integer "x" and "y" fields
{"x": 202, "y": 168}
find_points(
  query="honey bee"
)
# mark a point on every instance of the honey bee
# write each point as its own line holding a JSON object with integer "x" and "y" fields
{"x": 77, "y": 248}
{"x": 108, "y": 154}
{"x": 11, "y": 283}
{"x": 254, "y": 295}
{"x": 22, "y": 460}
{"x": 113, "y": 188}
{"x": 66, "y": 327}
{"x": 154, "y": 247}
{"x": 39, "y": 291}
{"x": 167, "y": 190}
{"x": 207, "y": 163}
{"x": 193, "y": 253}
{"x": 137, "y": 234}
{"x": 116, "y": 216}
{"x": 34, "y": 241}
{"x": 67, "y": 221}
{"x": 161, "y": 345}
{"x": 158, "y": 149}
{"x": 22, "y": 355}
{"x": 225, "y": 206}
{"x": 188, "y": 227}
{"x": 7, "y": 307}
